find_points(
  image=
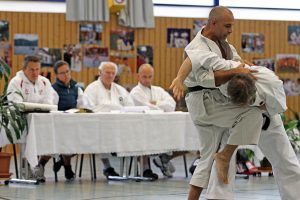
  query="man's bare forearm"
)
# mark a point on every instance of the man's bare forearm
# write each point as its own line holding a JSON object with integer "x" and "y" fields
{"x": 222, "y": 76}
{"x": 184, "y": 69}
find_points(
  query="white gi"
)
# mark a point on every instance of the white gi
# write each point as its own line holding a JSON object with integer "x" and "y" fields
{"x": 142, "y": 96}
{"x": 39, "y": 92}
{"x": 270, "y": 89}
{"x": 273, "y": 142}
{"x": 97, "y": 98}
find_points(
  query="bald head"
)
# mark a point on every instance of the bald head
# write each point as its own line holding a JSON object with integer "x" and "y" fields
{"x": 145, "y": 74}
{"x": 218, "y": 13}
{"x": 220, "y": 24}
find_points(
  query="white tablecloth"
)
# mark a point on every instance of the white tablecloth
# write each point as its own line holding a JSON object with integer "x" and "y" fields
{"x": 125, "y": 133}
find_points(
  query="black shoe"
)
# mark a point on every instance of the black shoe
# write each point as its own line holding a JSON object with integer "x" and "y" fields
{"x": 110, "y": 172}
{"x": 57, "y": 165}
{"x": 69, "y": 174}
{"x": 149, "y": 174}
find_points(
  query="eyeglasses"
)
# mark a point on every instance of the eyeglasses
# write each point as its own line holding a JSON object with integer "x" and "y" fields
{"x": 63, "y": 73}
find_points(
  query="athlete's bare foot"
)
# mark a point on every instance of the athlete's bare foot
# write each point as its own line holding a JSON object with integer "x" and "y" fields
{"x": 222, "y": 167}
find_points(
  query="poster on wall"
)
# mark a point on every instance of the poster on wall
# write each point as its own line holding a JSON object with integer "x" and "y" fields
{"x": 90, "y": 33}
{"x": 125, "y": 62}
{"x": 253, "y": 42}
{"x": 94, "y": 55}
{"x": 178, "y": 38}
{"x": 266, "y": 62}
{"x": 4, "y": 31}
{"x": 6, "y": 52}
{"x": 122, "y": 40}
{"x": 287, "y": 63}
{"x": 197, "y": 25}
{"x": 144, "y": 55}
{"x": 49, "y": 56}
{"x": 294, "y": 35}
{"x": 26, "y": 44}
{"x": 73, "y": 56}
{"x": 291, "y": 86}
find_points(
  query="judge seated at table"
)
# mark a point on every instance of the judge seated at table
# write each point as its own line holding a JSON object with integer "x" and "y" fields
{"x": 103, "y": 95}
{"x": 29, "y": 86}
{"x": 69, "y": 96}
{"x": 156, "y": 98}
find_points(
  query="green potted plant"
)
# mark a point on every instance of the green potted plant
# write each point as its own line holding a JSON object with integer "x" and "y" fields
{"x": 12, "y": 121}
{"x": 292, "y": 127}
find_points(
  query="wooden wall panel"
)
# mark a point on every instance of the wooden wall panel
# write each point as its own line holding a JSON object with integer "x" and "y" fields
{"x": 54, "y": 32}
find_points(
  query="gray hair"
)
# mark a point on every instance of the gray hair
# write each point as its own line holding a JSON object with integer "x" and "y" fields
{"x": 102, "y": 65}
{"x": 241, "y": 89}
{"x": 31, "y": 58}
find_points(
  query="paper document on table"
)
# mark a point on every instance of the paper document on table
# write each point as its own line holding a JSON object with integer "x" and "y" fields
{"x": 135, "y": 109}
{"x": 154, "y": 111}
{"x": 36, "y": 107}
{"x": 72, "y": 110}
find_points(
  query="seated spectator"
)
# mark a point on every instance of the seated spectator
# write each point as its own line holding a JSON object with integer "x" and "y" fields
{"x": 156, "y": 98}
{"x": 69, "y": 96}
{"x": 103, "y": 95}
{"x": 33, "y": 88}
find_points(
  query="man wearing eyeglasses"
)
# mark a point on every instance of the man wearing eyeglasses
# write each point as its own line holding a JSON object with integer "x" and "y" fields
{"x": 69, "y": 96}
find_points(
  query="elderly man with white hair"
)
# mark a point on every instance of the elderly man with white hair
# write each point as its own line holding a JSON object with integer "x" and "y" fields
{"x": 103, "y": 95}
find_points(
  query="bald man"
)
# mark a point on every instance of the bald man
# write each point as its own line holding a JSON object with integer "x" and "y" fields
{"x": 145, "y": 94}
{"x": 211, "y": 40}
{"x": 156, "y": 98}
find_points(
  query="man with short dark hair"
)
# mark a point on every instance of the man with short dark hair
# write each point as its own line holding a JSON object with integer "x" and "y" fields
{"x": 33, "y": 88}
{"x": 70, "y": 96}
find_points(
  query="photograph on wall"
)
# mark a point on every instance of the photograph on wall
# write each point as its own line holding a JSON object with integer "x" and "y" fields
{"x": 294, "y": 35}
{"x": 197, "y": 25}
{"x": 291, "y": 87}
{"x": 178, "y": 37}
{"x": 287, "y": 63}
{"x": 90, "y": 33}
{"x": 122, "y": 40}
{"x": 26, "y": 44}
{"x": 49, "y": 56}
{"x": 266, "y": 62}
{"x": 6, "y": 52}
{"x": 94, "y": 55}
{"x": 73, "y": 56}
{"x": 253, "y": 42}
{"x": 125, "y": 62}
{"x": 4, "y": 31}
{"x": 144, "y": 55}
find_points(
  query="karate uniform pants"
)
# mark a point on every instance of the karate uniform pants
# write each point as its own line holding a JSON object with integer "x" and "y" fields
{"x": 276, "y": 146}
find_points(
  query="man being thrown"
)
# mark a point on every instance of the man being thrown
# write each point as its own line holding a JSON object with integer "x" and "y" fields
{"x": 273, "y": 141}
